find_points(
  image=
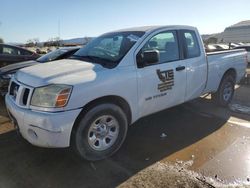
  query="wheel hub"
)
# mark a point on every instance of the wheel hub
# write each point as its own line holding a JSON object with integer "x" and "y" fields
{"x": 102, "y": 130}
{"x": 103, "y": 133}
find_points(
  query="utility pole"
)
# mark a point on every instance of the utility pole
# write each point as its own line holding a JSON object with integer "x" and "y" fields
{"x": 59, "y": 33}
{"x": 1, "y": 40}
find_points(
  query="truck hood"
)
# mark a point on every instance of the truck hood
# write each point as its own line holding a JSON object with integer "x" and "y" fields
{"x": 66, "y": 71}
{"x": 16, "y": 66}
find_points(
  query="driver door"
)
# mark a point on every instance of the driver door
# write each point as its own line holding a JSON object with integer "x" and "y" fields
{"x": 162, "y": 84}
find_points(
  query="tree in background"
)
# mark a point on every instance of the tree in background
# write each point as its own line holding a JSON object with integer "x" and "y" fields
{"x": 211, "y": 40}
{"x": 1, "y": 40}
{"x": 32, "y": 42}
{"x": 29, "y": 43}
{"x": 36, "y": 41}
{"x": 53, "y": 42}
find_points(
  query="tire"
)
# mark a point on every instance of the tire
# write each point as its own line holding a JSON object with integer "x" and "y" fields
{"x": 225, "y": 92}
{"x": 100, "y": 132}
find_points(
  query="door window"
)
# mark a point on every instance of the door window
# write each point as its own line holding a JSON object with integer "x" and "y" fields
{"x": 10, "y": 51}
{"x": 165, "y": 43}
{"x": 191, "y": 44}
{"x": 25, "y": 52}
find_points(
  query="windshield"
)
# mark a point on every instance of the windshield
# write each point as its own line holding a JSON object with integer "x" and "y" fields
{"x": 109, "y": 48}
{"x": 52, "y": 55}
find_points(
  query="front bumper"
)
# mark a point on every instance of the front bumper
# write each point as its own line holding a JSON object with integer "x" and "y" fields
{"x": 43, "y": 129}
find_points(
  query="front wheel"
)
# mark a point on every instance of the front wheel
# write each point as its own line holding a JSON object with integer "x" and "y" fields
{"x": 100, "y": 132}
{"x": 225, "y": 92}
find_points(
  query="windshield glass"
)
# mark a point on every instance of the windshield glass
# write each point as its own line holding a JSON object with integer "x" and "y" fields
{"x": 52, "y": 55}
{"x": 109, "y": 48}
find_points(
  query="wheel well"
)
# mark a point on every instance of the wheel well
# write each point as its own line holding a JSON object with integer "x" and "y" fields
{"x": 232, "y": 72}
{"x": 119, "y": 101}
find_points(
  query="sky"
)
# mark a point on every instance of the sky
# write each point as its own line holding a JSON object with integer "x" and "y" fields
{"x": 21, "y": 20}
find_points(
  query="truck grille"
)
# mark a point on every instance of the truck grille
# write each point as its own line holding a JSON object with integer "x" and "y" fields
{"x": 20, "y": 93}
{"x": 26, "y": 96}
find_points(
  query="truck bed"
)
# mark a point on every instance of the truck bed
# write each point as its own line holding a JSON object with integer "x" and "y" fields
{"x": 221, "y": 61}
{"x": 223, "y": 52}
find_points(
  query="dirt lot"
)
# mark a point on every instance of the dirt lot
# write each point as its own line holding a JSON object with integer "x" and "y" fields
{"x": 158, "y": 152}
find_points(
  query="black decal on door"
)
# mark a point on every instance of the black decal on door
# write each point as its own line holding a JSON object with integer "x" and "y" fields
{"x": 167, "y": 79}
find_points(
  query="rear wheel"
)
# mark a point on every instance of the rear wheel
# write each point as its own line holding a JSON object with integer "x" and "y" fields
{"x": 100, "y": 132}
{"x": 225, "y": 92}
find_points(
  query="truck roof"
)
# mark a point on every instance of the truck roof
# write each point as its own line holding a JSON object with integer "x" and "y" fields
{"x": 157, "y": 27}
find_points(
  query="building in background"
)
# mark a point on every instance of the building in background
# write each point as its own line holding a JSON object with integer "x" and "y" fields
{"x": 236, "y": 33}
{"x": 239, "y": 32}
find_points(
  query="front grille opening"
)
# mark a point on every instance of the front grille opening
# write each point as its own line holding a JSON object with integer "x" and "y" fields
{"x": 25, "y": 96}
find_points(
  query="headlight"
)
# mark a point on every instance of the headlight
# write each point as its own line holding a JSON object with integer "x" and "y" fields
{"x": 51, "y": 96}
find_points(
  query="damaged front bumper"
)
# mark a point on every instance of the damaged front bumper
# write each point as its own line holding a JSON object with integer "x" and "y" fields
{"x": 44, "y": 129}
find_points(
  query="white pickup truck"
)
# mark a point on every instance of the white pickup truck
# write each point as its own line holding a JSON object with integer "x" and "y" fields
{"x": 89, "y": 100}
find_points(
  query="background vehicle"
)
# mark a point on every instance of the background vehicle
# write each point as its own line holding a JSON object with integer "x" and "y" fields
{"x": 12, "y": 54}
{"x": 247, "y": 48}
{"x": 7, "y": 71}
{"x": 89, "y": 102}
{"x": 216, "y": 47}
{"x": 38, "y": 51}
{"x": 233, "y": 45}
{"x": 221, "y": 46}
{"x": 210, "y": 48}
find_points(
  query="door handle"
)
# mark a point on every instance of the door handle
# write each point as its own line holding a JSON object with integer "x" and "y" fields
{"x": 180, "y": 68}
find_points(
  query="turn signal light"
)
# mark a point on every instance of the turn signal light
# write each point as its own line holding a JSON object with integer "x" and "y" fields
{"x": 62, "y": 98}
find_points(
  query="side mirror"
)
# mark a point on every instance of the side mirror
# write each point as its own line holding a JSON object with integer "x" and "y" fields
{"x": 151, "y": 57}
